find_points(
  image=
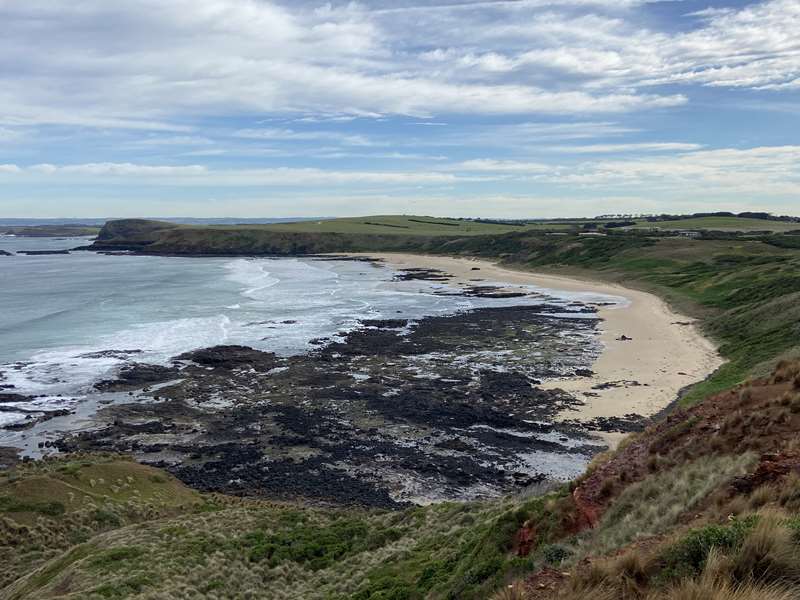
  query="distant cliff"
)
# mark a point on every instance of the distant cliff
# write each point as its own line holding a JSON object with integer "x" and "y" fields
{"x": 44, "y": 231}
{"x": 131, "y": 234}
{"x": 157, "y": 237}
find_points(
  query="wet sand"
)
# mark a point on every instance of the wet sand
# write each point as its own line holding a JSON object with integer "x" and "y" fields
{"x": 665, "y": 352}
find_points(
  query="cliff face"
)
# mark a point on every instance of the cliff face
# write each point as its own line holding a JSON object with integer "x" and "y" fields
{"x": 156, "y": 237}
{"x": 137, "y": 233}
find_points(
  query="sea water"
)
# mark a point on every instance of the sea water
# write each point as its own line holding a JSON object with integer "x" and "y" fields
{"x": 68, "y": 321}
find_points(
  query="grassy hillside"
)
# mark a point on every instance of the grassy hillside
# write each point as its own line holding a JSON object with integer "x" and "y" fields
{"x": 745, "y": 292}
{"x": 705, "y": 504}
{"x": 48, "y": 507}
{"x": 404, "y": 225}
{"x": 721, "y": 224}
{"x": 105, "y": 527}
{"x": 400, "y": 233}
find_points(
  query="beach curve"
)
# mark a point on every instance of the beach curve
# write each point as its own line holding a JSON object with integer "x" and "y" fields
{"x": 650, "y": 353}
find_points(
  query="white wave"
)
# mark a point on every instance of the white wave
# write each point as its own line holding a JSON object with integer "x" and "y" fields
{"x": 11, "y": 418}
{"x": 70, "y": 370}
{"x": 252, "y": 274}
{"x": 289, "y": 302}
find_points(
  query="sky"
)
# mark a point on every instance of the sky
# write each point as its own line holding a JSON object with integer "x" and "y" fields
{"x": 492, "y": 108}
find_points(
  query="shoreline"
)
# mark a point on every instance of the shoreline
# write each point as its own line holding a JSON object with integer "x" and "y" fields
{"x": 665, "y": 353}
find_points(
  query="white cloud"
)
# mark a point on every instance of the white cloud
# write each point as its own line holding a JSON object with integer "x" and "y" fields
{"x": 500, "y": 166}
{"x": 176, "y": 140}
{"x": 138, "y": 63}
{"x": 771, "y": 170}
{"x": 276, "y": 134}
{"x": 622, "y": 148}
{"x": 9, "y": 135}
{"x": 516, "y": 5}
{"x": 118, "y": 169}
{"x": 754, "y": 47}
{"x": 198, "y": 175}
{"x": 767, "y": 171}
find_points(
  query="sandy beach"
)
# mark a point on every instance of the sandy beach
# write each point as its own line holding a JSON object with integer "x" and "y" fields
{"x": 664, "y": 354}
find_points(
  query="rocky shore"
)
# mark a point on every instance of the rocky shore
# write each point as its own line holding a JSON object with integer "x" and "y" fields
{"x": 396, "y": 411}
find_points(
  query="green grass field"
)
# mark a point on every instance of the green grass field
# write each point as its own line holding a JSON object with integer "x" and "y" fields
{"x": 398, "y": 225}
{"x": 720, "y": 224}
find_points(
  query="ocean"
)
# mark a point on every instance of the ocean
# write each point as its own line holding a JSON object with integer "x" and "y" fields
{"x": 68, "y": 321}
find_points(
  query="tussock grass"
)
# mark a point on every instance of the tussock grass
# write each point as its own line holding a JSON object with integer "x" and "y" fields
{"x": 757, "y": 557}
{"x": 651, "y": 506}
{"x": 704, "y": 590}
{"x": 512, "y": 591}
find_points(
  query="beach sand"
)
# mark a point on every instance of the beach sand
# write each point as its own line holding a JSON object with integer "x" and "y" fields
{"x": 666, "y": 351}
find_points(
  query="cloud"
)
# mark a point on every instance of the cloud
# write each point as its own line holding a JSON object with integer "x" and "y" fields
{"x": 769, "y": 170}
{"x": 514, "y": 5}
{"x": 198, "y": 175}
{"x": 138, "y": 64}
{"x": 753, "y": 47}
{"x": 177, "y": 140}
{"x": 631, "y": 147}
{"x": 766, "y": 171}
{"x": 117, "y": 169}
{"x": 9, "y": 135}
{"x": 500, "y": 166}
{"x": 303, "y": 136}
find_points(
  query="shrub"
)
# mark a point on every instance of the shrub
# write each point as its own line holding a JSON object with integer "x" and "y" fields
{"x": 687, "y": 557}
{"x": 768, "y": 554}
{"x": 112, "y": 558}
{"x": 555, "y": 554}
{"x": 49, "y": 509}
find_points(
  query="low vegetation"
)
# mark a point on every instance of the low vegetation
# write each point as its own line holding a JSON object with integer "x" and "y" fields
{"x": 705, "y": 504}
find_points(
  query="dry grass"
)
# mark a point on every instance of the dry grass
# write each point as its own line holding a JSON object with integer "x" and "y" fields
{"x": 786, "y": 371}
{"x": 513, "y": 591}
{"x": 764, "y": 566}
{"x": 691, "y": 590}
{"x": 704, "y": 590}
{"x": 651, "y": 506}
{"x": 769, "y": 554}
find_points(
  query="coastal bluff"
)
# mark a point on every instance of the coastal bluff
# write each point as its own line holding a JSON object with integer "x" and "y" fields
{"x": 159, "y": 237}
